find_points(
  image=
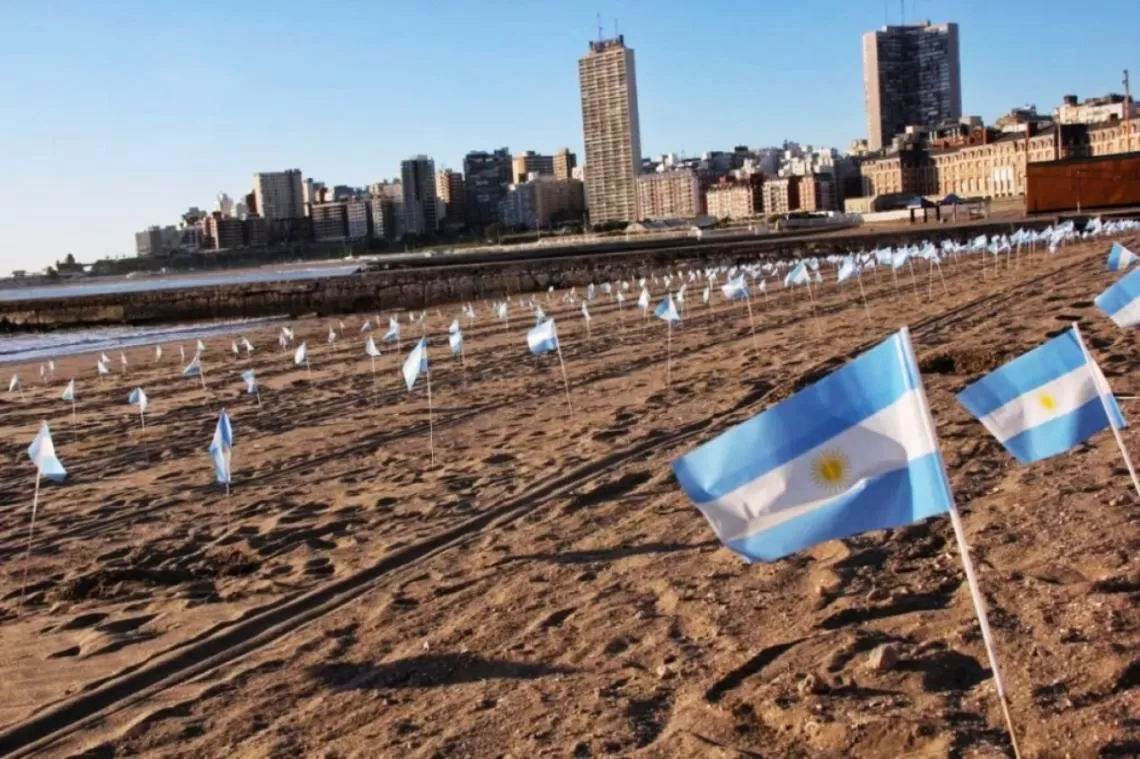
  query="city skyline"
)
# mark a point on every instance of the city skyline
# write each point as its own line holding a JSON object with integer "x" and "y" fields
{"x": 170, "y": 121}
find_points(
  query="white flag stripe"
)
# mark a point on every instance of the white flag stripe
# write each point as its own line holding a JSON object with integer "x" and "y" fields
{"x": 1054, "y": 399}
{"x": 862, "y": 449}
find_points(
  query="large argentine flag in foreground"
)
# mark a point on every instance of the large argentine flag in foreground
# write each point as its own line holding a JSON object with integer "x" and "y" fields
{"x": 851, "y": 453}
{"x": 1045, "y": 401}
{"x": 1121, "y": 302}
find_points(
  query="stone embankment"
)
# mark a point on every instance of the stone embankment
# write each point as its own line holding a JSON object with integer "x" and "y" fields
{"x": 421, "y": 287}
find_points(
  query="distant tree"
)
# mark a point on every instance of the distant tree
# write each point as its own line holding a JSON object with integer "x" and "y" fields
{"x": 70, "y": 260}
{"x": 51, "y": 272}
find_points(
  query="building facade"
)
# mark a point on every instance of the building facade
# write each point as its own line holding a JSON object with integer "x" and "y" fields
{"x": 542, "y": 202}
{"x": 564, "y": 164}
{"x": 279, "y": 194}
{"x": 330, "y": 223}
{"x": 149, "y": 242}
{"x": 817, "y": 193}
{"x": 911, "y": 76}
{"x": 1101, "y": 110}
{"x": 224, "y": 232}
{"x": 781, "y": 195}
{"x": 672, "y": 194}
{"x": 417, "y": 180}
{"x": 992, "y": 167}
{"x": 525, "y": 164}
{"x": 452, "y": 193}
{"x": 611, "y": 129}
{"x": 741, "y": 199}
{"x": 487, "y": 177}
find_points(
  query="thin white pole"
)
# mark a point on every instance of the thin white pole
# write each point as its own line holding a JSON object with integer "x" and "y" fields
{"x": 565, "y": 381}
{"x": 913, "y": 278}
{"x": 31, "y": 533}
{"x": 257, "y": 391}
{"x": 960, "y": 536}
{"x": 863, "y": 293}
{"x": 669, "y": 353}
{"x": 751, "y": 321}
{"x": 1103, "y": 390}
{"x": 229, "y": 469}
{"x": 73, "y": 408}
{"x": 373, "y": 360}
{"x": 431, "y": 421}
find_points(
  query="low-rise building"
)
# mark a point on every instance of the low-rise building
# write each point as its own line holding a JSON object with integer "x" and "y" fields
{"x": 1100, "y": 110}
{"x": 670, "y": 194}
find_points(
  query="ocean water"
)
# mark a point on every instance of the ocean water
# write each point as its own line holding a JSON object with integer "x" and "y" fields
{"x": 41, "y": 346}
{"x": 112, "y": 285}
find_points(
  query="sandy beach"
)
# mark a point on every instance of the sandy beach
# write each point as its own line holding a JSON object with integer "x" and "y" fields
{"x": 546, "y": 589}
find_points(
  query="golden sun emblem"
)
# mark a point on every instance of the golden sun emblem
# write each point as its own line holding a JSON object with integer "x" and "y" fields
{"x": 830, "y": 470}
{"x": 1047, "y": 401}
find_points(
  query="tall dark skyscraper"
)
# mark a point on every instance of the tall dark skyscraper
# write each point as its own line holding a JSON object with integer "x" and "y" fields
{"x": 911, "y": 77}
{"x": 488, "y": 176}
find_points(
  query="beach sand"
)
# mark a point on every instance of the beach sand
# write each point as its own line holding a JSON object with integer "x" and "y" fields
{"x": 547, "y": 589}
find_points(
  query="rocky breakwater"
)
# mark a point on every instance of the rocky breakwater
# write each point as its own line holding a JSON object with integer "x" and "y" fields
{"x": 368, "y": 291}
{"x": 446, "y": 279}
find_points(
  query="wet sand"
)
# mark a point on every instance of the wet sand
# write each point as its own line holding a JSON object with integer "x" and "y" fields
{"x": 546, "y": 589}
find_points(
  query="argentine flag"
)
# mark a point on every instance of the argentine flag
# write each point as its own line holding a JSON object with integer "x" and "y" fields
{"x": 734, "y": 289}
{"x": 542, "y": 338}
{"x": 194, "y": 368}
{"x": 416, "y": 362}
{"x": 798, "y": 276}
{"x": 250, "y": 381}
{"x": 138, "y": 398}
{"x": 1045, "y": 401}
{"x": 455, "y": 340}
{"x": 371, "y": 349}
{"x": 1121, "y": 302}
{"x": 851, "y": 453}
{"x": 221, "y": 448}
{"x": 69, "y": 392}
{"x": 667, "y": 310}
{"x": 847, "y": 270}
{"x": 1120, "y": 257}
{"x": 42, "y": 454}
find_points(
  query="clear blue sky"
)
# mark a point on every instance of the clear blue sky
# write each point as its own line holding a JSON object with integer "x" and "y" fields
{"x": 117, "y": 114}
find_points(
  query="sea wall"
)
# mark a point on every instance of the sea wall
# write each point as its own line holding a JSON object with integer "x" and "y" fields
{"x": 432, "y": 285}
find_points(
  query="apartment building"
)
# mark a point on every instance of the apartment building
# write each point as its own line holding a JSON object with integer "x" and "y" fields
{"x": 610, "y": 126}
{"x": 675, "y": 194}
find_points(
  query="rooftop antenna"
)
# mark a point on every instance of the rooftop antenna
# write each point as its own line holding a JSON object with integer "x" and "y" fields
{"x": 601, "y": 34}
{"x": 616, "y": 34}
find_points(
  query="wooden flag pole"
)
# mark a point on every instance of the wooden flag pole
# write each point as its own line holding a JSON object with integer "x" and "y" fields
{"x": 963, "y": 547}
{"x": 31, "y": 533}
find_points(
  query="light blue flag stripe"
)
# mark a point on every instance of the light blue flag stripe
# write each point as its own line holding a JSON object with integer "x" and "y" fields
{"x": 1024, "y": 374}
{"x": 1044, "y": 402}
{"x": 894, "y": 499}
{"x": 852, "y": 453}
{"x": 798, "y": 424}
{"x": 1121, "y": 295}
{"x": 1064, "y": 432}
